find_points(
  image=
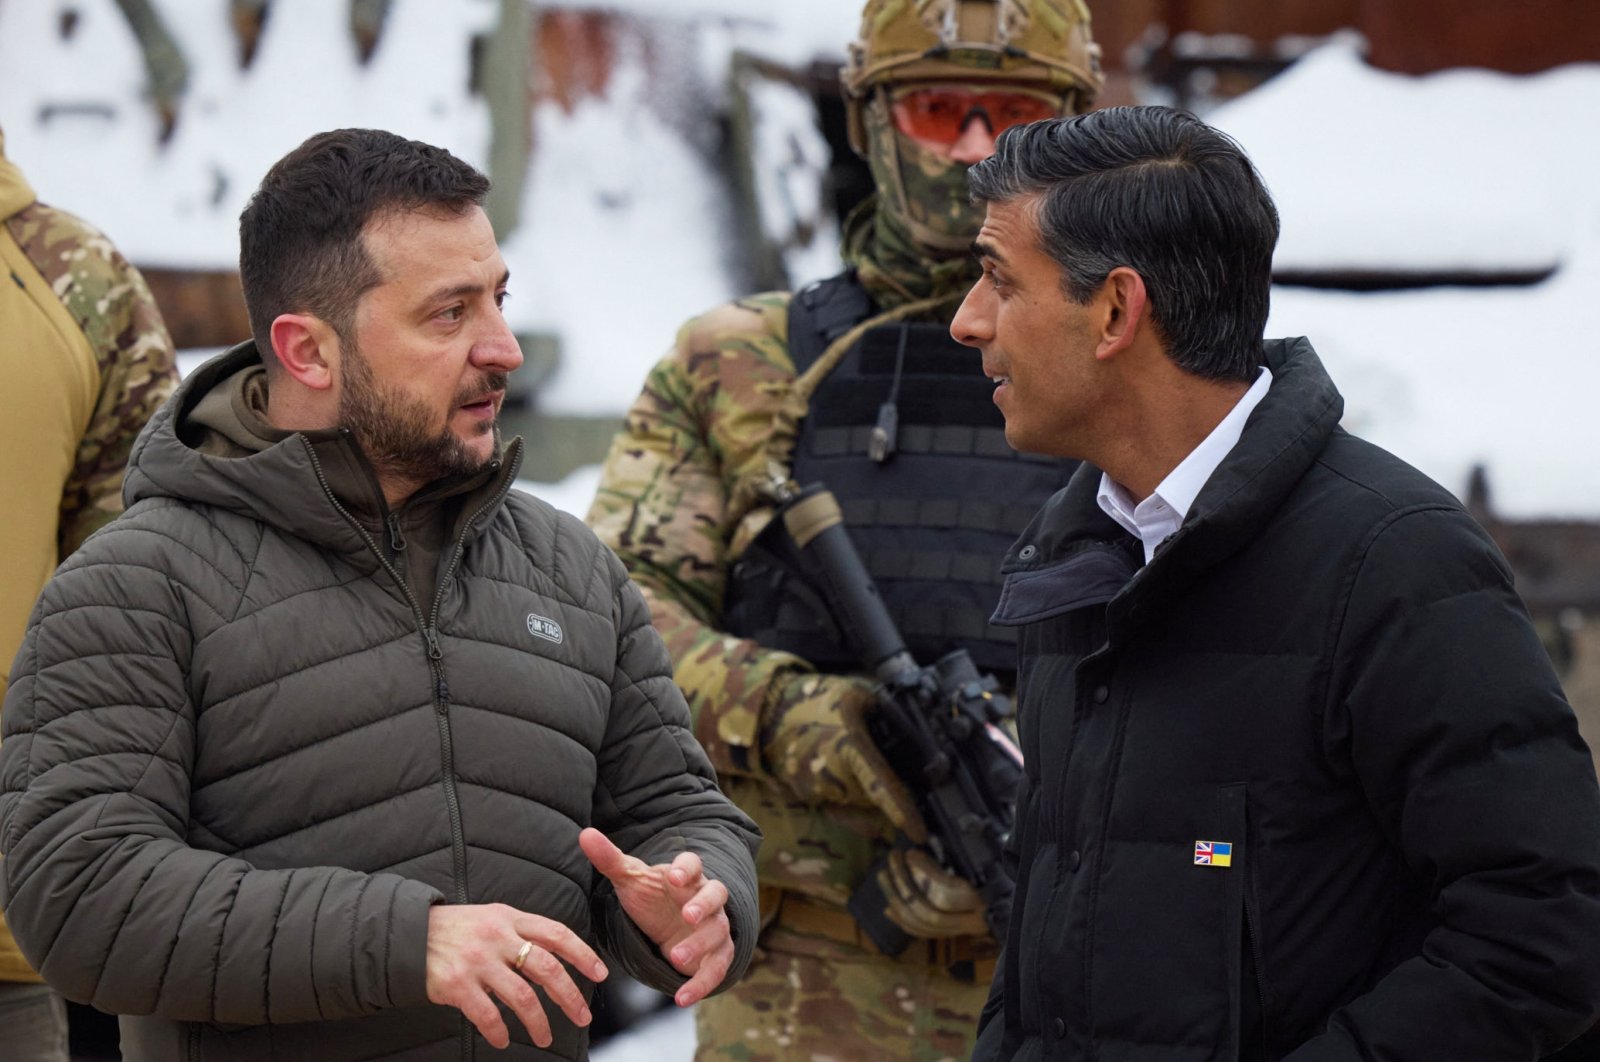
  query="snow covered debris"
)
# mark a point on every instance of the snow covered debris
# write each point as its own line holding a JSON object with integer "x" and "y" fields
{"x": 1461, "y": 171}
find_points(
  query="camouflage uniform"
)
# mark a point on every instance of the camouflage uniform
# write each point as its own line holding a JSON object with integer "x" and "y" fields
{"x": 680, "y": 499}
{"x": 84, "y": 361}
{"x": 682, "y": 495}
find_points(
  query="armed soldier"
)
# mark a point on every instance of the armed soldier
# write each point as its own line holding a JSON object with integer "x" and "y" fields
{"x": 852, "y": 382}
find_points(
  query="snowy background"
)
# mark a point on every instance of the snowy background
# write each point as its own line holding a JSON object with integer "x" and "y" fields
{"x": 626, "y": 223}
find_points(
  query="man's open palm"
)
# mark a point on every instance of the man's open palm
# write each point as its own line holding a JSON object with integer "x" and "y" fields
{"x": 676, "y": 906}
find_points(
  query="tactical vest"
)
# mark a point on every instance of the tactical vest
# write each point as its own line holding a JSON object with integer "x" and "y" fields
{"x": 932, "y": 519}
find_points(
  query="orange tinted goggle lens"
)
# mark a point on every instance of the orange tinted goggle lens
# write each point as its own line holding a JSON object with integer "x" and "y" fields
{"x": 940, "y": 114}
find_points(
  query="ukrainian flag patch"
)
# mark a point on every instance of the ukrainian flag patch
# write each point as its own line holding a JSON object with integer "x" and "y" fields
{"x": 1213, "y": 853}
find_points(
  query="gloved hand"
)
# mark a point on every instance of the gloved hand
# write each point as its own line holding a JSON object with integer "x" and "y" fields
{"x": 926, "y": 900}
{"x": 814, "y": 739}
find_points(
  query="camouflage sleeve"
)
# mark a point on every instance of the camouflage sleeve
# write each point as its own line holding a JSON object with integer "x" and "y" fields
{"x": 113, "y": 306}
{"x": 673, "y": 503}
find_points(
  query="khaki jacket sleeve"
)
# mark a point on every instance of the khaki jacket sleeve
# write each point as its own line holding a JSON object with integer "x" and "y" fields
{"x": 676, "y": 503}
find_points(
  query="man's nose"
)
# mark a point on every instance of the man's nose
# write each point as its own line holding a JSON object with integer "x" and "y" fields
{"x": 976, "y": 141}
{"x": 497, "y": 348}
{"x": 971, "y": 325}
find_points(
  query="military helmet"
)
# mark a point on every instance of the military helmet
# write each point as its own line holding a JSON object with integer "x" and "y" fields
{"x": 1039, "y": 44}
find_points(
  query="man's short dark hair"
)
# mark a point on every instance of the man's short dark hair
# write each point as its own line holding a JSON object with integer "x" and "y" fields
{"x": 1166, "y": 195}
{"x": 300, "y": 246}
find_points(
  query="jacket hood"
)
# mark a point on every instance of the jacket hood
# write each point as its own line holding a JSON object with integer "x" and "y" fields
{"x": 15, "y": 191}
{"x": 287, "y": 485}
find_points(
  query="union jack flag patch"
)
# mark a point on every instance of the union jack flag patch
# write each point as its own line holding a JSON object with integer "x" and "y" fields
{"x": 1213, "y": 853}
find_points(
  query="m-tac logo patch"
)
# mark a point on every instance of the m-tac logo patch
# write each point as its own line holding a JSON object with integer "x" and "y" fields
{"x": 544, "y": 627}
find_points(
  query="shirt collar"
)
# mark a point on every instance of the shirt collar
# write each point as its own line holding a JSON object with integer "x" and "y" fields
{"x": 1155, "y": 518}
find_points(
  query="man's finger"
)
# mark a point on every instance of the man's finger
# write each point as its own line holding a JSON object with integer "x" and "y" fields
{"x": 519, "y": 995}
{"x": 607, "y": 858}
{"x": 480, "y": 1010}
{"x": 687, "y": 954}
{"x": 712, "y": 897}
{"x": 555, "y": 937}
{"x": 685, "y": 869}
{"x": 545, "y": 970}
{"x": 707, "y": 978}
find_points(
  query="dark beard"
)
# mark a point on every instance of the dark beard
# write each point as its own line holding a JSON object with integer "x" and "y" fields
{"x": 394, "y": 430}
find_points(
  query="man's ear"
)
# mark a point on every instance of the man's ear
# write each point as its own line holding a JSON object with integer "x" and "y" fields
{"x": 307, "y": 347}
{"x": 1122, "y": 300}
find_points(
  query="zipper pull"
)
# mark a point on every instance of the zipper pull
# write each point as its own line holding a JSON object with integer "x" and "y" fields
{"x": 397, "y": 538}
{"x": 434, "y": 652}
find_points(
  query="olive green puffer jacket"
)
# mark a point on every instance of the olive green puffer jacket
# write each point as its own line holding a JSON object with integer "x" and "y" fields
{"x": 242, "y": 759}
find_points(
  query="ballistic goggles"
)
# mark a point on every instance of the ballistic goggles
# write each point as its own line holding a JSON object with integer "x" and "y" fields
{"x": 939, "y": 114}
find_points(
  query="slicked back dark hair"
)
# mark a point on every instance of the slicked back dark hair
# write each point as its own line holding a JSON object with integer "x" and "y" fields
{"x": 300, "y": 246}
{"x": 1164, "y": 194}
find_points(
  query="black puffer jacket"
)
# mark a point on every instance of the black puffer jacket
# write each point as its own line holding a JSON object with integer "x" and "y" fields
{"x": 1326, "y": 668}
{"x": 242, "y": 760}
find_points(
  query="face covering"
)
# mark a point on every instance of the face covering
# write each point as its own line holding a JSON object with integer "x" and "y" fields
{"x": 920, "y": 192}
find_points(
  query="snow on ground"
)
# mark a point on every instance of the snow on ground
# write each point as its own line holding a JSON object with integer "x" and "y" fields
{"x": 573, "y": 494}
{"x": 666, "y": 1036}
{"x": 627, "y": 228}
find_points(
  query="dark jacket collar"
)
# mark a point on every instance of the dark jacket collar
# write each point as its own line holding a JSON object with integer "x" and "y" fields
{"x": 1281, "y": 440}
{"x": 1280, "y": 443}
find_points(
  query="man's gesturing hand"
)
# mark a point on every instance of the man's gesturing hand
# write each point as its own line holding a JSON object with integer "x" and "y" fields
{"x": 491, "y": 949}
{"x": 676, "y": 906}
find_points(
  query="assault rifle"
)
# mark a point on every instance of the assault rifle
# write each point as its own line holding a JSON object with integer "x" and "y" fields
{"x": 937, "y": 726}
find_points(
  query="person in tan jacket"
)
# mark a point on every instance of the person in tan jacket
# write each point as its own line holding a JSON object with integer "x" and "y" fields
{"x": 84, "y": 362}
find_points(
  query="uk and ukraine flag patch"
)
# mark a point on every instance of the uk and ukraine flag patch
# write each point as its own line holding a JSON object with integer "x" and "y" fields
{"x": 1213, "y": 853}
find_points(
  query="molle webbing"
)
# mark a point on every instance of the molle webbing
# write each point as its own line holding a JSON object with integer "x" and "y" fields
{"x": 931, "y": 522}
{"x": 947, "y": 440}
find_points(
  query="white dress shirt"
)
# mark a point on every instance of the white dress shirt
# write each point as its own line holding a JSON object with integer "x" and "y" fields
{"x": 1158, "y": 516}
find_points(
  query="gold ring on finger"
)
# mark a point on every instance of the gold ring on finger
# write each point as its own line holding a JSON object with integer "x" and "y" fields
{"x": 522, "y": 955}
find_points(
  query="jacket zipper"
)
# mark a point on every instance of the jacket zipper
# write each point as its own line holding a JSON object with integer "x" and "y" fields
{"x": 458, "y": 841}
{"x": 441, "y": 691}
{"x": 397, "y": 538}
{"x": 431, "y": 632}
{"x": 1254, "y": 946}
